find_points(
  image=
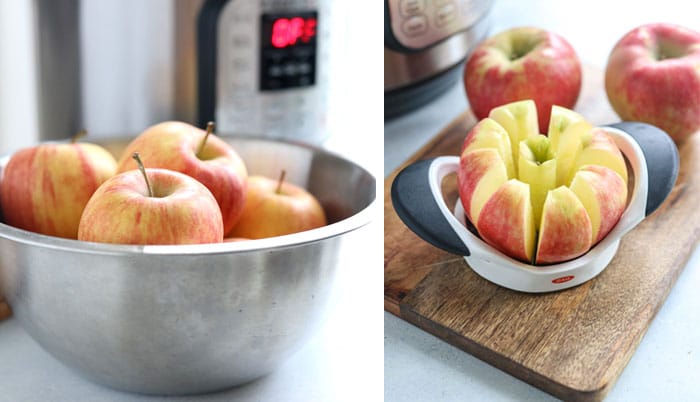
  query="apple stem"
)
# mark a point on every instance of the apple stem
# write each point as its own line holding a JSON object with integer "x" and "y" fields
{"x": 278, "y": 190}
{"x": 210, "y": 129}
{"x": 80, "y": 134}
{"x": 137, "y": 158}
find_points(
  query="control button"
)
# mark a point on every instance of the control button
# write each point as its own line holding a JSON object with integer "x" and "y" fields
{"x": 241, "y": 64}
{"x": 290, "y": 69}
{"x": 445, "y": 14}
{"x": 241, "y": 40}
{"x": 304, "y": 68}
{"x": 415, "y": 25}
{"x": 274, "y": 71}
{"x": 410, "y": 8}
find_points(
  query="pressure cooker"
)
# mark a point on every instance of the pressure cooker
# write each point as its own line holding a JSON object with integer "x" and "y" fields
{"x": 425, "y": 45}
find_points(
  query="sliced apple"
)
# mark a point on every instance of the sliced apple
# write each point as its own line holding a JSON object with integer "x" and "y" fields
{"x": 481, "y": 173}
{"x": 489, "y": 134}
{"x": 602, "y": 150}
{"x": 560, "y": 119}
{"x": 565, "y": 229}
{"x": 569, "y": 147}
{"x": 538, "y": 168}
{"x": 519, "y": 119}
{"x": 506, "y": 221}
{"x": 603, "y": 194}
{"x": 541, "y": 199}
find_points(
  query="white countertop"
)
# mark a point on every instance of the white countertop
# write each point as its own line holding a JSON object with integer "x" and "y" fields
{"x": 666, "y": 365}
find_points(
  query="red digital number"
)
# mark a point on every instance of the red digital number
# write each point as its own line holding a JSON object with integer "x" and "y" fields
{"x": 287, "y": 31}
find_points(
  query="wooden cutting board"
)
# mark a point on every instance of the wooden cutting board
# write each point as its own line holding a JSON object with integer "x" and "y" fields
{"x": 4, "y": 309}
{"x": 574, "y": 343}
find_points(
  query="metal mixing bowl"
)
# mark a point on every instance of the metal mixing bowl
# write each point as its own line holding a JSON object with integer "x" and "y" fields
{"x": 188, "y": 319}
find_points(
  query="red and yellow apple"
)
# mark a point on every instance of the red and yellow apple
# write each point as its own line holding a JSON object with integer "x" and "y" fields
{"x": 197, "y": 153}
{"x": 45, "y": 188}
{"x": 276, "y": 208}
{"x": 152, "y": 206}
{"x": 523, "y": 63}
{"x": 541, "y": 199}
{"x": 653, "y": 76}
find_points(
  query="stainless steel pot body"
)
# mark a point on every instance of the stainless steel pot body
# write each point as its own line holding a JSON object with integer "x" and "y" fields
{"x": 188, "y": 319}
{"x": 425, "y": 45}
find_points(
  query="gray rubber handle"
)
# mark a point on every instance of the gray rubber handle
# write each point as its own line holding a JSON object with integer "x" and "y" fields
{"x": 414, "y": 204}
{"x": 662, "y": 160}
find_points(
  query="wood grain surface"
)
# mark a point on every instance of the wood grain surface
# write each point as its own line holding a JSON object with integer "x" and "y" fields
{"x": 4, "y": 309}
{"x": 574, "y": 343}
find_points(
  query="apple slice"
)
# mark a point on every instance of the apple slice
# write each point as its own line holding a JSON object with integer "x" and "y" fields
{"x": 507, "y": 222}
{"x": 603, "y": 194}
{"x": 602, "y": 150}
{"x": 519, "y": 119}
{"x": 569, "y": 147}
{"x": 565, "y": 230}
{"x": 538, "y": 168}
{"x": 489, "y": 134}
{"x": 559, "y": 120}
{"x": 481, "y": 173}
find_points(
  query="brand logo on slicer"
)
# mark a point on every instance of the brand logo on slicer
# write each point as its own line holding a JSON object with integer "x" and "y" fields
{"x": 563, "y": 279}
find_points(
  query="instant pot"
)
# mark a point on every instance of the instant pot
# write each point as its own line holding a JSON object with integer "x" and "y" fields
{"x": 425, "y": 45}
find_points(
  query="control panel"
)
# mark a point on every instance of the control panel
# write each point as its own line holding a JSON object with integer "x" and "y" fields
{"x": 272, "y": 69}
{"x": 417, "y": 24}
{"x": 288, "y": 51}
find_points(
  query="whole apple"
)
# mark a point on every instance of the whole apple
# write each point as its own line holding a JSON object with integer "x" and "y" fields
{"x": 276, "y": 208}
{"x": 541, "y": 199}
{"x": 523, "y": 63}
{"x": 152, "y": 206}
{"x": 653, "y": 76}
{"x": 197, "y": 153}
{"x": 45, "y": 188}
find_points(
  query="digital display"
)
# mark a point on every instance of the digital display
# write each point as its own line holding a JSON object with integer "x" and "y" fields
{"x": 288, "y": 50}
{"x": 290, "y": 31}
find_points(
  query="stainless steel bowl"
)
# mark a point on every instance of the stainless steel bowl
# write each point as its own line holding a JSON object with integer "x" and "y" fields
{"x": 188, "y": 319}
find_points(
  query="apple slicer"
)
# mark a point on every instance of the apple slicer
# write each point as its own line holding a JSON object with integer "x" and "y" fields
{"x": 418, "y": 201}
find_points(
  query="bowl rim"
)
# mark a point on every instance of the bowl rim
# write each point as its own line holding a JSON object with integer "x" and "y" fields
{"x": 353, "y": 222}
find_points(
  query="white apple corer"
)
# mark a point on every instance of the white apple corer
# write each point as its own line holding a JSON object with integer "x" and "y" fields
{"x": 418, "y": 201}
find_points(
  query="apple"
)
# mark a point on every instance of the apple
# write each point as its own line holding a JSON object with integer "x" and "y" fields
{"x": 652, "y": 76}
{"x": 522, "y": 63}
{"x": 152, "y": 206}
{"x": 45, "y": 188}
{"x": 541, "y": 199}
{"x": 276, "y": 208}
{"x": 197, "y": 153}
